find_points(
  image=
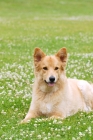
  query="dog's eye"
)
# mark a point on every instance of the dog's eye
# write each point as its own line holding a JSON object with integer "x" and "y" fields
{"x": 45, "y": 68}
{"x": 56, "y": 68}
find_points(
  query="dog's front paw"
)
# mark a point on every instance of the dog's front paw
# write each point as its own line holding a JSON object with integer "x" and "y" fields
{"x": 56, "y": 117}
{"x": 24, "y": 121}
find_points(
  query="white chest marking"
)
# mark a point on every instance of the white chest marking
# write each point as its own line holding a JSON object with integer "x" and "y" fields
{"x": 46, "y": 108}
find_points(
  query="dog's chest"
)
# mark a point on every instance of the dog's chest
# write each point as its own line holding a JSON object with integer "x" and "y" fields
{"x": 46, "y": 108}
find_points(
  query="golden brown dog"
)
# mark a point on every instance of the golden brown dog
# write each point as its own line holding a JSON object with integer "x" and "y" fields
{"x": 54, "y": 95}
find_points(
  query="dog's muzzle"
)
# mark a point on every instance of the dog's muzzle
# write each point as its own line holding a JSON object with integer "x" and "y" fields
{"x": 51, "y": 81}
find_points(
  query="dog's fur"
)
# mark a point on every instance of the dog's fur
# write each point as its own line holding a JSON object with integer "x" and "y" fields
{"x": 54, "y": 95}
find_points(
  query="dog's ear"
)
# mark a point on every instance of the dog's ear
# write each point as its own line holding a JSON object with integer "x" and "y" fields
{"x": 38, "y": 55}
{"x": 62, "y": 55}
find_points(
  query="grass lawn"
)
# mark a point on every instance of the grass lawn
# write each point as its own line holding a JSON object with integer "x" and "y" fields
{"x": 49, "y": 25}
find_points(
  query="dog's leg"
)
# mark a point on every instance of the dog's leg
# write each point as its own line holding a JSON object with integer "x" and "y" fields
{"x": 92, "y": 85}
{"x": 31, "y": 114}
{"x": 87, "y": 92}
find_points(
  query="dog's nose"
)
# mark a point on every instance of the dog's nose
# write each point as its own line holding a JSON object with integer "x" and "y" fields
{"x": 52, "y": 79}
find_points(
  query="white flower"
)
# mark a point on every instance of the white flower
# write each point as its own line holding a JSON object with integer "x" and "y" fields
{"x": 39, "y": 136}
{"x": 80, "y": 134}
{"x": 73, "y": 138}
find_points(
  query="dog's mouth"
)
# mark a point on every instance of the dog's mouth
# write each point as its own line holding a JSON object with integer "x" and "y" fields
{"x": 50, "y": 83}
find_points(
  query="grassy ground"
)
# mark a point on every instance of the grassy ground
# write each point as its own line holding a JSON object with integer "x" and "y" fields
{"x": 49, "y": 25}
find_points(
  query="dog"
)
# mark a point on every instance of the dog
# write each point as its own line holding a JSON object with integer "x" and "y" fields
{"x": 54, "y": 95}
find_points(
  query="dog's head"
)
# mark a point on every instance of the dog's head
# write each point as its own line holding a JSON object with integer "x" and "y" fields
{"x": 50, "y": 69}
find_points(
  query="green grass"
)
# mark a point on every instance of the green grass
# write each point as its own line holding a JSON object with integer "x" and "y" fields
{"x": 49, "y": 25}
